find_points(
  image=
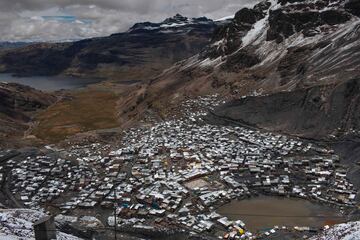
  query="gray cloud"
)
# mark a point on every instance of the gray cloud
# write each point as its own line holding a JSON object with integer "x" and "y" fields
{"x": 22, "y": 19}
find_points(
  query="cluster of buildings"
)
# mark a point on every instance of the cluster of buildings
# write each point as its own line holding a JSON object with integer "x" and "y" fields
{"x": 176, "y": 174}
{"x": 42, "y": 179}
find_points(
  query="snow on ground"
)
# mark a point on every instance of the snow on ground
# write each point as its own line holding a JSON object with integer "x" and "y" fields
{"x": 210, "y": 62}
{"x": 346, "y": 231}
{"x": 225, "y": 18}
{"x": 16, "y": 224}
{"x": 260, "y": 27}
{"x": 174, "y": 25}
{"x": 268, "y": 51}
{"x": 64, "y": 236}
{"x": 257, "y": 30}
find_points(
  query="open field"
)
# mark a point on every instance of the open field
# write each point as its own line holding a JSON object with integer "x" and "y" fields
{"x": 86, "y": 110}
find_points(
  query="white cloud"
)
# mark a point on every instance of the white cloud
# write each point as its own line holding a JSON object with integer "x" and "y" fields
{"x": 22, "y": 19}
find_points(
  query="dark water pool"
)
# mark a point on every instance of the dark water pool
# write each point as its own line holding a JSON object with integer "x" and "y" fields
{"x": 52, "y": 83}
{"x": 266, "y": 212}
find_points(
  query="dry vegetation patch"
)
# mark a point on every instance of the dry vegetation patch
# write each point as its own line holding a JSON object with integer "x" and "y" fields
{"x": 87, "y": 110}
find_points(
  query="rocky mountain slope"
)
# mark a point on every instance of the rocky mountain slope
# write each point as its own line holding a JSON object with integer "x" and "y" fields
{"x": 17, "y": 106}
{"x": 285, "y": 65}
{"x": 146, "y": 49}
{"x": 300, "y": 56}
{"x": 305, "y": 112}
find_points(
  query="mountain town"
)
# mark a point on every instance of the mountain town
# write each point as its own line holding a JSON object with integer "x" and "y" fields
{"x": 245, "y": 127}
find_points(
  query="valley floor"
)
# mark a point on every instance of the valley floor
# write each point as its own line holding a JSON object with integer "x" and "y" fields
{"x": 169, "y": 178}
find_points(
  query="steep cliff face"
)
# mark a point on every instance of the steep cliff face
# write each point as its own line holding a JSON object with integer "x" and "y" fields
{"x": 227, "y": 39}
{"x": 291, "y": 41}
{"x": 353, "y": 6}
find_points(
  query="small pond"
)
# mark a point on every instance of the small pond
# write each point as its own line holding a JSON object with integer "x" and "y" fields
{"x": 52, "y": 83}
{"x": 263, "y": 212}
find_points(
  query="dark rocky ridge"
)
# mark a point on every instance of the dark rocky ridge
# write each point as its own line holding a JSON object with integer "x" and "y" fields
{"x": 240, "y": 60}
{"x": 146, "y": 50}
{"x": 298, "y": 16}
{"x": 233, "y": 32}
{"x": 284, "y": 25}
{"x": 305, "y": 17}
{"x": 353, "y": 6}
{"x": 39, "y": 59}
{"x": 315, "y": 112}
{"x": 176, "y": 23}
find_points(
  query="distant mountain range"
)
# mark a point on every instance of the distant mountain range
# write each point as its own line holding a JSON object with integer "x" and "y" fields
{"x": 143, "y": 51}
{"x": 12, "y": 45}
{"x": 177, "y": 23}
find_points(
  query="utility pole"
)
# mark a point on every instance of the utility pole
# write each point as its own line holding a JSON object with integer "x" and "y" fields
{"x": 115, "y": 207}
{"x": 44, "y": 229}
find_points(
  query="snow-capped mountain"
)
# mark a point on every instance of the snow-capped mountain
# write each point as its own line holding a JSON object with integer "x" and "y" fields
{"x": 307, "y": 48}
{"x": 176, "y": 23}
{"x": 146, "y": 49}
{"x": 272, "y": 33}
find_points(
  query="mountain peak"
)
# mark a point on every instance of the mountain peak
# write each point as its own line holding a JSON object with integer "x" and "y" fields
{"x": 178, "y": 15}
{"x": 176, "y": 22}
{"x": 178, "y": 18}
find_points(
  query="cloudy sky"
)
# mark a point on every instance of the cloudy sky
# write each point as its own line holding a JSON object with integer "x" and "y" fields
{"x": 57, "y": 20}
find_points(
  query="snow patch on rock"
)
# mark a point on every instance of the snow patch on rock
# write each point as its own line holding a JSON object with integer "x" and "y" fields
{"x": 17, "y": 224}
{"x": 346, "y": 231}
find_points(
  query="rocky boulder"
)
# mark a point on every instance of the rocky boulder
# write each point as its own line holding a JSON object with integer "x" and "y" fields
{"x": 284, "y": 24}
{"x": 353, "y": 6}
{"x": 240, "y": 60}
